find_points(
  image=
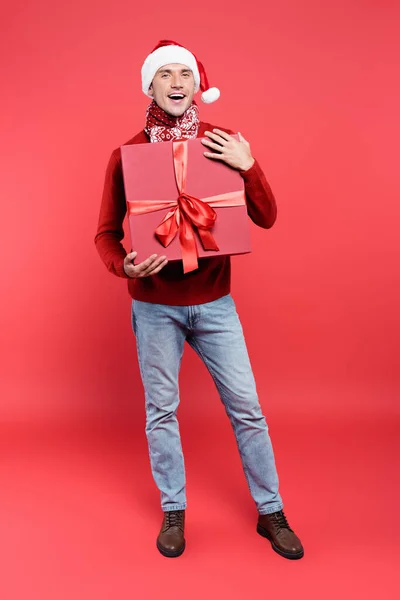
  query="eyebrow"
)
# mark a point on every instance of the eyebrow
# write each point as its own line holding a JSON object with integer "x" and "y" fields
{"x": 170, "y": 71}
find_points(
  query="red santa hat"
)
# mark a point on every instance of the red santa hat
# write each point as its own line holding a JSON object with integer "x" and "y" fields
{"x": 167, "y": 52}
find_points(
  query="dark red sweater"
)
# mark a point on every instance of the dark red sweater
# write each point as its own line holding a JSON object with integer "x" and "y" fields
{"x": 170, "y": 286}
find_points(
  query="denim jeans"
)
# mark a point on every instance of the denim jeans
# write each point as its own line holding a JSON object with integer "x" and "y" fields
{"x": 215, "y": 333}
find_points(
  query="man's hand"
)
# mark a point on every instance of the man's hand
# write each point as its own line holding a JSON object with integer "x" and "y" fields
{"x": 150, "y": 266}
{"x": 236, "y": 154}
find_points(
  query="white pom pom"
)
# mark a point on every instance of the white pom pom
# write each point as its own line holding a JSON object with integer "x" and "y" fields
{"x": 210, "y": 95}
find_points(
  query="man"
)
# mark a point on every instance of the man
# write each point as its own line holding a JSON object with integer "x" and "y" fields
{"x": 169, "y": 308}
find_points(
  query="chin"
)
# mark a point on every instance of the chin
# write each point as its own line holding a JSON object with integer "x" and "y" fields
{"x": 176, "y": 111}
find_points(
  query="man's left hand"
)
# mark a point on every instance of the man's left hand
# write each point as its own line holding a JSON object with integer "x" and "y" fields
{"x": 235, "y": 153}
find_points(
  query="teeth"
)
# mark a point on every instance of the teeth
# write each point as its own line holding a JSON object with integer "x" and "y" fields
{"x": 177, "y": 96}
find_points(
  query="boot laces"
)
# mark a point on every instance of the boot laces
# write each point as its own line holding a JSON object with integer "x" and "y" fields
{"x": 281, "y": 521}
{"x": 174, "y": 519}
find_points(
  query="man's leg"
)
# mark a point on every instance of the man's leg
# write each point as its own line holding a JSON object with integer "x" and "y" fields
{"x": 217, "y": 337}
{"x": 160, "y": 336}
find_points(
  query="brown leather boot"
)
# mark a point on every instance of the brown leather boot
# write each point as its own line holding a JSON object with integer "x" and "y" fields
{"x": 276, "y": 529}
{"x": 171, "y": 540}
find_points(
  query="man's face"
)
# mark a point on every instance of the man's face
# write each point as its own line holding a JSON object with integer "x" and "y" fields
{"x": 173, "y": 89}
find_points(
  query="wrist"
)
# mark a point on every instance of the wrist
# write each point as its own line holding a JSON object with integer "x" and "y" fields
{"x": 247, "y": 165}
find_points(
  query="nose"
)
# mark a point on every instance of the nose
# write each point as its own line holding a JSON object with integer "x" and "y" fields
{"x": 176, "y": 82}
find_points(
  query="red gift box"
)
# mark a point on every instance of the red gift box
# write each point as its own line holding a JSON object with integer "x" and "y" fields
{"x": 183, "y": 205}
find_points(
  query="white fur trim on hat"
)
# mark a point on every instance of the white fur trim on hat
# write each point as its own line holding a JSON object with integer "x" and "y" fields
{"x": 210, "y": 95}
{"x": 168, "y": 55}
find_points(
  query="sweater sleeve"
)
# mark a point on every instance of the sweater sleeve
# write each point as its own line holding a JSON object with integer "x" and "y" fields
{"x": 110, "y": 230}
{"x": 261, "y": 204}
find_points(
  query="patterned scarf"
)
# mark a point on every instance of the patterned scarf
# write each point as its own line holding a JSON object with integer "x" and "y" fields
{"x": 161, "y": 127}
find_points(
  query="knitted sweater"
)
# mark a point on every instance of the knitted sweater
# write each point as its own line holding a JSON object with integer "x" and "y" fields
{"x": 170, "y": 286}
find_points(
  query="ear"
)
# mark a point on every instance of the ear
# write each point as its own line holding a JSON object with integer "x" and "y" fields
{"x": 151, "y": 93}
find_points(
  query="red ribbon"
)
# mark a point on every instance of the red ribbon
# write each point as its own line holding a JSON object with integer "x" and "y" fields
{"x": 186, "y": 213}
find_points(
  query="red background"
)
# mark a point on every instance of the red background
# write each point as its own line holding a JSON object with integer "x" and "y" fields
{"x": 314, "y": 87}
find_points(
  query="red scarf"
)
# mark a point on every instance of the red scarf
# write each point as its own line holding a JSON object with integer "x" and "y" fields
{"x": 161, "y": 127}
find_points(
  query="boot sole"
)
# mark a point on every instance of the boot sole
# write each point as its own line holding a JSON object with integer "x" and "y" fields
{"x": 290, "y": 555}
{"x": 171, "y": 553}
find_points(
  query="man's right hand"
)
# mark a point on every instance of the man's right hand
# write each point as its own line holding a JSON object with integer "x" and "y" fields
{"x": 150, "y": 266}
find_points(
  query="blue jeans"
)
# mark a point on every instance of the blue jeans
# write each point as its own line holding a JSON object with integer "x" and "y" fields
{"x": 215, "y": 333}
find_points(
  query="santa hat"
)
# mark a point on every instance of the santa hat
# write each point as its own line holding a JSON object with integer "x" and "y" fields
{"x": 167, "y": 52}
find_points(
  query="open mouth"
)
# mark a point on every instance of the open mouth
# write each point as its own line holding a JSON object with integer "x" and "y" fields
{"x": 176, "y": 97}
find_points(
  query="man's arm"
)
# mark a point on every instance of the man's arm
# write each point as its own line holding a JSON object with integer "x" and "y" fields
{"x": 261, "y": 204}
{"x": 110, "y": 230}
